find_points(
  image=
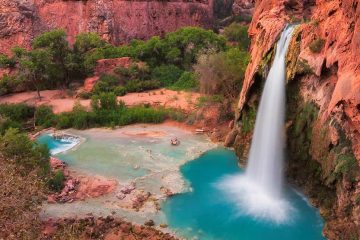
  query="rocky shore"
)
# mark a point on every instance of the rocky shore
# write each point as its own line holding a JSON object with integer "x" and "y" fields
{"x": 107, "y": 228}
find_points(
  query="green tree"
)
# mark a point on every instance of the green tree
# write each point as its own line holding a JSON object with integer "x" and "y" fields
{"x": 58, "y": 48}
{"x": 182, "y": 46}
{"x": 238, "y": 33}
{"x": 166, "y": 74}
{"x": 85, "y": 46}
{"x": 35, "y": 68}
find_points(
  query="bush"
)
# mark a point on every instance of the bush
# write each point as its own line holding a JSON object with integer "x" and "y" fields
{"x": 120, "y": 91}
{"x": 141, "y": 86}
{"x": 344, "y": 164}
{"x": 17, "y": 112}
{"x": 166, "y": 74}
{"x": 176, "y": 115}
{"x": 85, "y": 95}
{"x": 6, "y": 62}
{"x": 63, "y": 121}
{"x": 222, "y": 73}
{"x": 6, "y": 123}
{"x": 8, "y": 84}
{"x": 56, "y": 182}
{"x": 106, "y": 83}
{"x": 104, "y": 101}
{"x": 44, "y": 117}
{"x": 238, "y": 33}
{"x": 187, "y": 81}
{"x": 17, "y": 146}
{"x": 79, "y": 117}
{"x": 317, "y": 45}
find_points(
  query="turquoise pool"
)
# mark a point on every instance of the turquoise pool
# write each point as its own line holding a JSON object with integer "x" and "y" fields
{"x": 203, "y": 213}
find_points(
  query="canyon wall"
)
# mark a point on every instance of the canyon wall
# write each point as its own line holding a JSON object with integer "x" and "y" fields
{"x": 323, "y": 102}
{"x": 117, "y": 21}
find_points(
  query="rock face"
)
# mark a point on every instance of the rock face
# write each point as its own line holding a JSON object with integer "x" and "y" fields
{"x": 323, "y": 89}
{"x": 117, "y": 21}
{"x": 243, "y": 7}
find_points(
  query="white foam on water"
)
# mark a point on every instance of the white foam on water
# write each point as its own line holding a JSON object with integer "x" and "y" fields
{"x": 65, "y": 144}
{"x": 252, "y": 200}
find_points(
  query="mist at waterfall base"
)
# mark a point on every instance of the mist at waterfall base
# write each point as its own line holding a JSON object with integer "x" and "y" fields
{"x": 258, "y": 192}
{"x": 205, "y": 214}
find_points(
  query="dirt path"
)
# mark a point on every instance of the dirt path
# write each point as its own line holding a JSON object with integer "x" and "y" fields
{"x": 60, "y": 102}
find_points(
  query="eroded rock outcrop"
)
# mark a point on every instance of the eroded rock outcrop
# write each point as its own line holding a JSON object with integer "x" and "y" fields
{"x": 243, "y": 7}
{"x": 323, "y": 102}
{"x": 117, "y": 21}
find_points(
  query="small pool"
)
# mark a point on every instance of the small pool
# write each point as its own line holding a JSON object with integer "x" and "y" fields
{"x": 57, "y": 146}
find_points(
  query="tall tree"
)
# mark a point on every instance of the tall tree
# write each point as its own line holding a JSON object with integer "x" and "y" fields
{"x": 56, "y": 44}
{"x": 35, "y": 68}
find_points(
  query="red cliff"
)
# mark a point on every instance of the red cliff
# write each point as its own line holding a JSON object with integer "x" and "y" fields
{"x": 323, "y": 63}
{"x": 117, "y": 21}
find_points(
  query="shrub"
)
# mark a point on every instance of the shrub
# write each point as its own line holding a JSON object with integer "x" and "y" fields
{"x": 8, "y": 84}
{"x": 56, "y": 182}
{"x": 248, "y": 120}
{"x": 187, "y": 81}
{"x": 141, "y": 86}
{"x": 238, "y": 33}
{"x": 104, "y": 101}
{"x": 79, "y": 117}
{"x": 63, "y": 121}
{"x": 120, "y": 91}
{"x": 106, "y": 83}
{"x": 317, "y": 45}
{"x": 166, "y": 74}
{"x": 17, "y": 112}
{"x": 222, "y": 73}
{"x": 6, "y": 62}
{"x": 204, "y": 100}
{"x": 6, "y": 123}
{"x": 345, "y": 163}
{"x": 17, "y": 146}
{"x": 176, "y": 114}
{"x": 85, "y": 95}
{"x": 44, "y": 116}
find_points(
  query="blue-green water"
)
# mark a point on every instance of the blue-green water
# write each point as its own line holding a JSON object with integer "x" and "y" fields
{"x": 207, "y": 214}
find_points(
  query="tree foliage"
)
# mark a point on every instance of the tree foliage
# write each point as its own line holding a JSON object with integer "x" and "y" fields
{"x": 237, "y": 32}
{"x": 223, "y": 72}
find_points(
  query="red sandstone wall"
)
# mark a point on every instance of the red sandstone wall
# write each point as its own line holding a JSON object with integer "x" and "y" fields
{"x": 117, "y": 21}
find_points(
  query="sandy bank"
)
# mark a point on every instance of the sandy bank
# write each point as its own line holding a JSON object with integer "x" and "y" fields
{"x": 61, "y": 102}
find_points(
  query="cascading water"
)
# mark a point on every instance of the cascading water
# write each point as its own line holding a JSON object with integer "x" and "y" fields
{"x": 259, "y": 191}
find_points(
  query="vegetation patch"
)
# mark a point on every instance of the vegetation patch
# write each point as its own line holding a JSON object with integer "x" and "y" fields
{"x": 317, "y": 45}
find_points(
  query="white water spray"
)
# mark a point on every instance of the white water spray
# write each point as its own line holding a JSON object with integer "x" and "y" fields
{"x": 259, "y": 191}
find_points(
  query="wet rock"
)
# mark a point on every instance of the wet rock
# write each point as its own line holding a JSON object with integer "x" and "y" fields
{"x": 230, "y": 138}
{"x": 120, "y": 195}
{"x": 149, "y": 223}
{"x": 127, "y": 189}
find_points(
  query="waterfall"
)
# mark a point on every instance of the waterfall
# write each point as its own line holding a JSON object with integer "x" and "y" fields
{"x": 258, "y": 192}
{"x": 267, "y": 147}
